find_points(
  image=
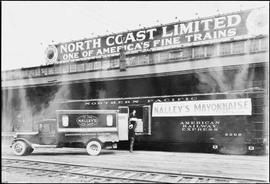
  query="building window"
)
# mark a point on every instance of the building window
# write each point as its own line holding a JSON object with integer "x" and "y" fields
{"x": 17, "y": 74}
{"x": 9, "y": 75}
{"x": 105, "y": 64}
{"x": 114, "y": 63}
{"x": 25, "y": 73}
{"x": 176, "y": 54}
{"x": 210, "y": 50}
{"x": 254, "y": 45}
{"x": 199, "y": 52}
{"x": 80, "y": 67}
{"x": 156, "y": 58}
{"x": 13, "y": 75}
{"x": 44, "y": 71}
{"x": 238, "y": 47}
{"x": 5, "y": 76}
{"x": 257, "y": 83}
{"x": 37, "y": 72}
{"x": 57, "y": 69}
{"x": 31, "y": 73}
{"x": 97, "y": 65}
{"x": 72, "y": 67}
{"x": 65, "y": 68}
{"x": 264, "y": 44}
{"x": 22, "y": 74}
{"x": 187, "y": 53}
{"x": 151, "y": 58}
{"x": 132, "y": 61}
{"x": 225, "y": 49}
{"x": 51, "y": 70}
{"x": 143, "y": 59}
{"x": 89, "y": 66}
{"x": 164, "y": 56}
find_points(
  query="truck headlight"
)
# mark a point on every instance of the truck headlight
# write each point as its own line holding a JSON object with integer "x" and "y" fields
{"x": 109, "y": 120}
{"x": 65, "y": 120}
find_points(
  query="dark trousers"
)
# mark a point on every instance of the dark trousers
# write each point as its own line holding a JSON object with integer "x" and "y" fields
{"x": 132, "y": 139}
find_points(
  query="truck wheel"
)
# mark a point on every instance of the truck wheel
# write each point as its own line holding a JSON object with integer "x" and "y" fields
{"x": 20, "y": 148}
{"x": 93, "y": 148}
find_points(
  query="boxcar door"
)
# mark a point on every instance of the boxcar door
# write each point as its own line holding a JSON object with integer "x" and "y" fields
{"x": 123, "y": 122}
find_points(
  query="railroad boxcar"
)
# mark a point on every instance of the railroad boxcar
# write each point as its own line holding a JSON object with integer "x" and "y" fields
{"x": 92, "y": 129}
{"x": 232, "y": 122}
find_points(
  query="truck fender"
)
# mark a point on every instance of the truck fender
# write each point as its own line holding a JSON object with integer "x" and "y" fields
{"x": 94, "y": 139}
{"x": 21, "y": 139}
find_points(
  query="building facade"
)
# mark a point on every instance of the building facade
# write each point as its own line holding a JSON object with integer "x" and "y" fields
{"x": 220, "y": 54}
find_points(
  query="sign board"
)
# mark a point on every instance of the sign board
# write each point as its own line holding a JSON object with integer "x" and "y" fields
{"x": 198, "y": 31}
{"x": 87, "y": 121}
{"x": 226, "y": 107}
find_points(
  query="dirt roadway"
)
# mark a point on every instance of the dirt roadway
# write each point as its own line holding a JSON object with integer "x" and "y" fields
{"x": 238, "y": 166}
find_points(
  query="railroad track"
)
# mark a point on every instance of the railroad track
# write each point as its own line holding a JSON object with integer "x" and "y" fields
{"x": 80, "y": 173}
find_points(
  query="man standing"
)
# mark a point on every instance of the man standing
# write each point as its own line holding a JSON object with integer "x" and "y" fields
{"x": 131, "y": 127}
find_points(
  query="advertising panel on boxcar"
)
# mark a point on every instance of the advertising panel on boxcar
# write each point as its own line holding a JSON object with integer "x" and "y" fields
{"x": 203, "y": 108}
{"x": 190, "y": 128}
{"x": 201, "y": 120}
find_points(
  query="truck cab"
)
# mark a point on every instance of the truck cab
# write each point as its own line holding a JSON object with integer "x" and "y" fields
{"x": 91, "y": 129}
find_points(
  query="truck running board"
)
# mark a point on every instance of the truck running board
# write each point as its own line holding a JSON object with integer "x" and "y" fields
{"x": 43, "y": 146}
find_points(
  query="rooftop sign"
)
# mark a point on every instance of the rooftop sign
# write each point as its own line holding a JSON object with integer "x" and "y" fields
{"x": 161, "y": 37}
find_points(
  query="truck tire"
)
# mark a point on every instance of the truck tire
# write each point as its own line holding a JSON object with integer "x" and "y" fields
{"x": 93, "y": 148}
{"x": 20, "y": 148}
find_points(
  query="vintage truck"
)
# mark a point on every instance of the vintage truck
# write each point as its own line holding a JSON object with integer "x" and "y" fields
{"x": 91, "y": 129}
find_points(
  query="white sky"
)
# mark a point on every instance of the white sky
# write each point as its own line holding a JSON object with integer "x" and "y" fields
{"x": 29, "y": 27}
